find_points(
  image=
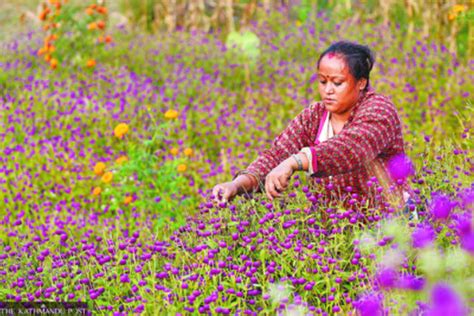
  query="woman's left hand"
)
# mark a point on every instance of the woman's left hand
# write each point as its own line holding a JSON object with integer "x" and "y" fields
{"x": 277, "y": 180}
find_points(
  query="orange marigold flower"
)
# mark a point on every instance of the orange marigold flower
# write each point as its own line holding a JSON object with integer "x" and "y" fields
{"x": 53, "y": 63}
{"x": 120, "y": 130}
{"x": 44, "y": 14}
{"x": 188, "y": 152}
{"x": 41, "y": 51}
{"x": 99, "y": 168}
{"x": 47, "y": 58}
{"x": 107, "y": 177}
{"x": 101, "y": 24}
{"x": 108, "y": 39}
{"x": 91, "y": 63}
{"x": 97, "y": 191}
{"x": 121, "y": 160}
{"x": 171, "y": 114}
{"x": 51, "y": 48}
{"x": 174, "y": 151}
{"x": 92, "y": 26}
{"x": 128, "y": 199}
{"x": 101, "y": 10}
{"x": 89, "y": 11}
{"x": 182, "y": 167}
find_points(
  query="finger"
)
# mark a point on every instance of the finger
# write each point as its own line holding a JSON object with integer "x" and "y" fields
{"x": 225, "y": 195}
{"x": 217, "y": 192}
{"x": 278, "y": 186}
{"x": 271, "y": 190}
{"x": 283, "y": 182}
{"x": 267, "y": 188}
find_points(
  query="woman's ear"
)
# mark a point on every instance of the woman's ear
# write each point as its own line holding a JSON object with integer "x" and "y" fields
{"x": 362, "y": 83}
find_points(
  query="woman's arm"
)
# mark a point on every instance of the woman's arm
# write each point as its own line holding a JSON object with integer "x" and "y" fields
{"x": 296, "y": 135}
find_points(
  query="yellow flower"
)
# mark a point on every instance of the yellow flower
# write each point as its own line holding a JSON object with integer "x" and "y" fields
{"x": 459, "y": 8}
{"x": 455, "y": 10}
{"x": 182, "y": 167}
{"x": 120, "y": 130}
{"x": 171, "y": 114}
{"x": 96, "y": 191}
{"x": 99, "y": 168}
{"x": 128, "y": 199}
{"x": 174, "y": 151}
{"x": 188, "y": 152}
{"x": 121, "y": 160}
{"x": 107, "y": 177}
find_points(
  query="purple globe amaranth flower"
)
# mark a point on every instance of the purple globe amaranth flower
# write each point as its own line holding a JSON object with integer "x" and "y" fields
{"x": 464, "y": 225}
{"x": 467, "y": 243}
{"x": 440, "y": 206}
{"x": 411, "y": 282}
{"x": 423, "y": 236}
{"x": 445, "y": 301}
{"x": 400, "y": 167}
{"x": 386, "y": 278}
{"x": 467, "y": 199}
{"x": 370, "y": 304}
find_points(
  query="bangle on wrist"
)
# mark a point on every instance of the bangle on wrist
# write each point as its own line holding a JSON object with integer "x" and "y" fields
{"x": 299, "y": 162}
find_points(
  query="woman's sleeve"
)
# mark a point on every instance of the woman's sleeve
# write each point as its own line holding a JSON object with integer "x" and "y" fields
{"x": 371, "y": 132}
{"x": 295, "y": 136}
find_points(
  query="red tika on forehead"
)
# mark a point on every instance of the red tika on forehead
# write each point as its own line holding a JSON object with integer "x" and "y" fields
{"x": 331, "y": 55}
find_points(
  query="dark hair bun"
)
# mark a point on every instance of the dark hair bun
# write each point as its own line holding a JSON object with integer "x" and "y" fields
{"x": 359, "y": 58}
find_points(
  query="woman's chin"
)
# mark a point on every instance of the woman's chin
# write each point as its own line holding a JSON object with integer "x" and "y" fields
{"x": 330, "y": 107}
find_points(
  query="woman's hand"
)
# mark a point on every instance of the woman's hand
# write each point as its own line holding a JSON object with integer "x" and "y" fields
{"x": 225, "y": 191}
{"x": 277, "y": 180}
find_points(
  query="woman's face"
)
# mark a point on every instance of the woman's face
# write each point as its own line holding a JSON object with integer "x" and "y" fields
{"x": 338, "y": 88}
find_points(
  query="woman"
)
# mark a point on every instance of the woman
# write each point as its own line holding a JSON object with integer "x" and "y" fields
{"x": 345, "y": 142}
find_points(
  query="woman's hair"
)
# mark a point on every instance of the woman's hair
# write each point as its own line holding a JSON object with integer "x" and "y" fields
{"x": 359, "y": 58}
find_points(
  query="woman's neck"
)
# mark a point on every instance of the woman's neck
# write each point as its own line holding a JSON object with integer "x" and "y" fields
{"x": 340, "y": 118}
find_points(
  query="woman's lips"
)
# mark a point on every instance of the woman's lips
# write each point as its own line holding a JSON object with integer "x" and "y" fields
{"x": 329, "y": 101}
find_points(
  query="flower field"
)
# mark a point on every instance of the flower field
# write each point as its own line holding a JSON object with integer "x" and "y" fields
{"x": 109, "y": 152}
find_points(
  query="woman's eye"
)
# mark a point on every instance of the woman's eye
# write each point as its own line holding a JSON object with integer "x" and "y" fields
{"x": 322, "y": 82}
{"x": 337, "y": 83}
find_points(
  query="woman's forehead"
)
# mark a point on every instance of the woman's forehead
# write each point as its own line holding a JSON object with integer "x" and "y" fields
{"x": 333, "y": 65}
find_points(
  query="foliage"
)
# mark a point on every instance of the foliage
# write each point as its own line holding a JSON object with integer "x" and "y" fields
{"x": 96, "y": 165}
{"x": 73, "y": 32}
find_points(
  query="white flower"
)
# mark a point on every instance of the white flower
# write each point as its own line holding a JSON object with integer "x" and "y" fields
{"x": 279, "y": 292}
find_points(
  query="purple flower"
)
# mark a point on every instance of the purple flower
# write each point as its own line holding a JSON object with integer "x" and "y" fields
{"x": 370, "y": 304}
{"x": 467, "y": 199}
{"x": 467, "y": 243}
{"x": 386, "y": 278}
{"x": 464, "y": 226}
{"x": 411, "y": 282}
{"x": 124, "y": 278}
{"x": 440, "y": 206}
{"x": 400, "y": 167}
{"x": 445, "y": 301}
{"x": 423, "y": 236}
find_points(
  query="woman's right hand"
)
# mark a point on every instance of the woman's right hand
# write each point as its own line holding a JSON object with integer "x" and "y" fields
{"x": 226, "y": 191}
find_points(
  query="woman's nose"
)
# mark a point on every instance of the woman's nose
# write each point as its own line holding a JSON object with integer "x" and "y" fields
{"x": 329, "y": 88}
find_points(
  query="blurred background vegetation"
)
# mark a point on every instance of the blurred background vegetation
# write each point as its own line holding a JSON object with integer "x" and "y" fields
{"x": 447, "y": 22}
